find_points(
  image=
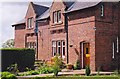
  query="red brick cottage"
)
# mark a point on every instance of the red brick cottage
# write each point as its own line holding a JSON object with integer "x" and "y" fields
{"x": 86, "y": 31}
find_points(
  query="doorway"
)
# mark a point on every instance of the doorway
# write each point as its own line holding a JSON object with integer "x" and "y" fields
{"x": 85, "y": 54}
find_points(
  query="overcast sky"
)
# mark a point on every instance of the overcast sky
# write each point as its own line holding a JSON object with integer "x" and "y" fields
{"x": 10, "y": 13}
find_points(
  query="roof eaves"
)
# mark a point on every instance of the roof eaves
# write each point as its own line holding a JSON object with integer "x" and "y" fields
{"x": 72, "y": 8}
{"x": 19, "y": 23}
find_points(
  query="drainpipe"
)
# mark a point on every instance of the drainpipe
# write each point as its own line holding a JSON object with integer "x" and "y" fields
{"x": 66, "y": 29}
{"x": 36, "y": 32}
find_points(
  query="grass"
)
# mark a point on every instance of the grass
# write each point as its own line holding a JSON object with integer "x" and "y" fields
{"x": 77, "y": 77}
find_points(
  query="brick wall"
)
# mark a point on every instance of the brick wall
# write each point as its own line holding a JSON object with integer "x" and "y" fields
{"x": 81, "y": 28}
{"x": 20, "y": 36}
{"x": 106, "y": 34}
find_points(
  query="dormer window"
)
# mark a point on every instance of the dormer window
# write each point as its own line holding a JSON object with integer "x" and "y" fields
{"x": 29, "y": 24}
{"x": 57, "y": 16}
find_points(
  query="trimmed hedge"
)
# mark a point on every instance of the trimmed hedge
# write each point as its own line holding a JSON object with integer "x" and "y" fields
{"x": 22, "y": 57}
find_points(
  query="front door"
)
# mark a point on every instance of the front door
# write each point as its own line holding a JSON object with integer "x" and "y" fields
{"x": 85, "y": 47}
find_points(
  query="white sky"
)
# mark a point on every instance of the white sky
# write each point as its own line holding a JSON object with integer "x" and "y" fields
{"x": 10, "y": 13}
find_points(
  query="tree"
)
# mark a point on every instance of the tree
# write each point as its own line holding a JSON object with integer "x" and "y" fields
{"x": 8, "y": 44}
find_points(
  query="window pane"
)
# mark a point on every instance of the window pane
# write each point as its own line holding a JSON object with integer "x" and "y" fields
{"x": 58, "y": 43}
{"x": 54, "y": 48}
{"x": 53, "y": 17}
{"x": 59, "y": 16}
{"x": 64, "y": 51}
{"x": 102, "y": 10}
{"x": 30, "y": 22}
{"x": 63, "y": 42}
{"x": 59, "y": 50}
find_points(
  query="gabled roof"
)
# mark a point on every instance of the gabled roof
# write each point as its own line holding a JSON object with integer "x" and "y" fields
{"x": 39, "y": 9}
{"x": 68, "y": 4}
{"x": 81, "y": 5}
{"x": 43, "y": 12}
{"x": 45, "y": 15}
{"x": 19, "y": 22}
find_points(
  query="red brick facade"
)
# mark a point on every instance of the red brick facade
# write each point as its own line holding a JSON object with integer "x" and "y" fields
{"x": 84, "y": 26}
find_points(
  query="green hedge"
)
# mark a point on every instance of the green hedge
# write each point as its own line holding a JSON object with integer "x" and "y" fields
{"x": 22, "y": 57}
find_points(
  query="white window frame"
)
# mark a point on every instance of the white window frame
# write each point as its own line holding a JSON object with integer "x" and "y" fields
{"x": 30, "y": 23}
{"x": 54, "y": 48}
{"x": 113, "y": 53}
{"x": 63, "y": 46}
{"x": 102, "y": 10}
{"x": 59, "y": 16}
{"x": 58, "y": 46}
{"x": 55, "y": 17}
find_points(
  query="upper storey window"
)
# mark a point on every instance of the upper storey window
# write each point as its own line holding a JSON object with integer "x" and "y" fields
{"x": 29, "y": 23}
{"x": 102, "y": 10}
{"x": 57, "y": 16}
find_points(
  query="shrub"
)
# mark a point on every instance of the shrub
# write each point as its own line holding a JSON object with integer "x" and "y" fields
{"x": 13, "y": 69}
{"x": 7, "y": 75}
{"x": 11, "y": 76}
{"x": 57, "y": 64}
{"x": 22, "y": 57}
{"x": 32, "y": 72}
{"x": 56, "y": 69}
{"x": 4, "y": 74}
{"x": 77, "y": 65}
{"x": 87, "y": 71}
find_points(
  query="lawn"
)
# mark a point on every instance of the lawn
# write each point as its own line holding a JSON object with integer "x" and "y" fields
{"x": 77, "y": 77}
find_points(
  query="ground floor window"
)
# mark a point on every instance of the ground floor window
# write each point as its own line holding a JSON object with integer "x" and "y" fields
{"x": 31, "y": 45}
{"x": 58, "y": 47}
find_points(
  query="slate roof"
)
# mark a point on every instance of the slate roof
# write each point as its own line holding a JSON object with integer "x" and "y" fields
{"x": 43, "y": 11}
{"x": 19, "y": 22}
{"x": 81, "y": 5}
{"x": 39, "y": 9}
{"x": 72, "y": 6}
{"x": 45, "y": 15}
{"x": 68, "y": 4}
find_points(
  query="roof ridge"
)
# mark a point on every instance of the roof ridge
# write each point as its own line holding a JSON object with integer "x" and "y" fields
{"x": 40, "y": 5}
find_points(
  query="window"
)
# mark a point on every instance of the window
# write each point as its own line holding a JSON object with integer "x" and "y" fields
{"x": 54, "y": 17}
{"x": 113, "y": 47}
{"x": 63, "y": 48}
{"x": 54, "y": 48}
{"x": 31, "y": 45}
{"x": 30, "y": 23}
{"x": 102, "y": 10}
{"x": 57, "y": 16}
{"x": 58, "y": 47}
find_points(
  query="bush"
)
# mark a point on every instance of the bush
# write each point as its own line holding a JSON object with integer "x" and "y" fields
{"x": 57, "y": 65}
{"x": 4, "y": 74}
{"x": 13, "y": 69}
{"x": 22, "y": 57}
{"x": 56, "y": 69}
{"x": 7, "y": 75}
{"x": 32, "y": 72}
{"x": 77, "y": 65}
{"x": 87, "y": 71}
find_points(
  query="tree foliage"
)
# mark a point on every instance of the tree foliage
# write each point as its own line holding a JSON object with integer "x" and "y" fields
{"x": 8, "y": 44}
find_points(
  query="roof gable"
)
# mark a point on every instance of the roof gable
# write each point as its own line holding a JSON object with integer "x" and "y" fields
{"x": 39, "y": 9}
{"x": 30, "y": 10}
